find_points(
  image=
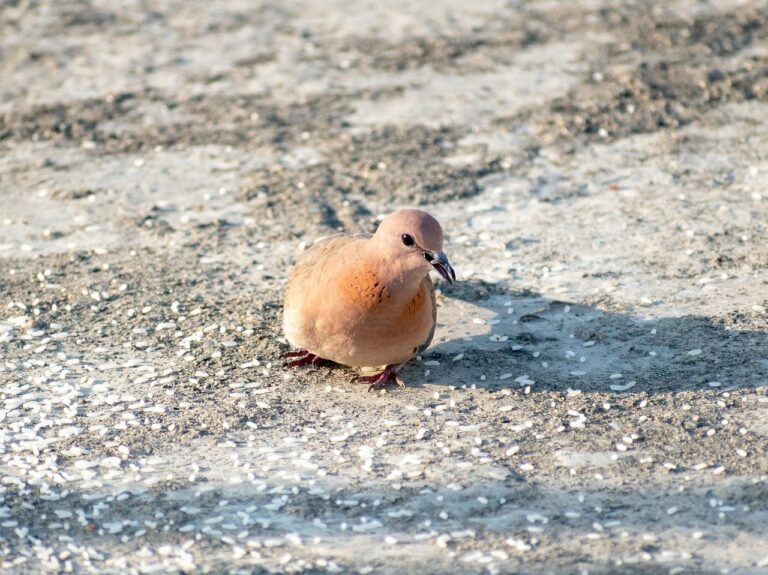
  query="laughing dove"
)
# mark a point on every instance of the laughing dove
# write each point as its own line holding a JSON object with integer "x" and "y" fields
{"x": 367, "y": 301}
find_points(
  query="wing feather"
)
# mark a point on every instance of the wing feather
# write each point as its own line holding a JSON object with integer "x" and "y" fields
{"x": 431, "y": 289}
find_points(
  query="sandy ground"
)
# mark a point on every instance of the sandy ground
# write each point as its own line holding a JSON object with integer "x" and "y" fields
{"x": 595, "y": 399}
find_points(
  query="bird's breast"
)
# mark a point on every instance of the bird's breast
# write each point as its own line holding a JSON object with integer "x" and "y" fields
{"x": 371, "y": 323}
{"x": 414, "y": 306}
{"x": 361, "y": 288}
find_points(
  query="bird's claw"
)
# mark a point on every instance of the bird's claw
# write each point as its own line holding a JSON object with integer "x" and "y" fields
{"x": 295, "y": 353}
{"x": 378, "y": 386}
{"x": 302, "y": 357}
{"x": 380, "y": 380}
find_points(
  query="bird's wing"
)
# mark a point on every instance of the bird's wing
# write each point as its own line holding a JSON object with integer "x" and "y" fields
{"x": 430, "y": 287}
{"x": 312, "y": 266}
{"x": 324, "y": 247}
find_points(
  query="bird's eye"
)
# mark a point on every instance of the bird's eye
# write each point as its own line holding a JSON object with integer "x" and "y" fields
{"x": 407, "y": 239}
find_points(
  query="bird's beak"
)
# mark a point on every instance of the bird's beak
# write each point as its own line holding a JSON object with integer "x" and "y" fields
{"x": 443, "y": 267}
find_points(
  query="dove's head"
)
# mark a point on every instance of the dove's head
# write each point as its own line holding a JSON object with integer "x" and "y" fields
{"x": 412, "y": 243}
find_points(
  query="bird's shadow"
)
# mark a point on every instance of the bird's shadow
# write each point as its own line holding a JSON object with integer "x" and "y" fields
{"x": 493, "y": 337}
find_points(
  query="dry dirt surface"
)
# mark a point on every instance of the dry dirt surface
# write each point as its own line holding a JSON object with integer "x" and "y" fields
{"x": 595, "y": 399}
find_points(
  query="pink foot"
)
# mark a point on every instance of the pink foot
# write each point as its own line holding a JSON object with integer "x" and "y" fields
{"x": 302, "y": 357}
{"x": 380, "y": 380}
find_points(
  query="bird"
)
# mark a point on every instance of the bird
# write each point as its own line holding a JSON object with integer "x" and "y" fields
{"x": 363, "y": 300}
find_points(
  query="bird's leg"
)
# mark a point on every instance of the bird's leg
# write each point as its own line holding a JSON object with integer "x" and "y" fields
{"x": 297, "y": 353}
{"x": 380, "y": 380}
{"x": 306, "y": 359}
{"x": 295, "y": 358}
{"x": 303, "y": 357}
{"x": 319, "y": 361}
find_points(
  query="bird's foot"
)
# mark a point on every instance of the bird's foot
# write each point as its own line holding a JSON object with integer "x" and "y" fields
{"x": 380, "y": 380}
{"x": 302, "y": 357}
